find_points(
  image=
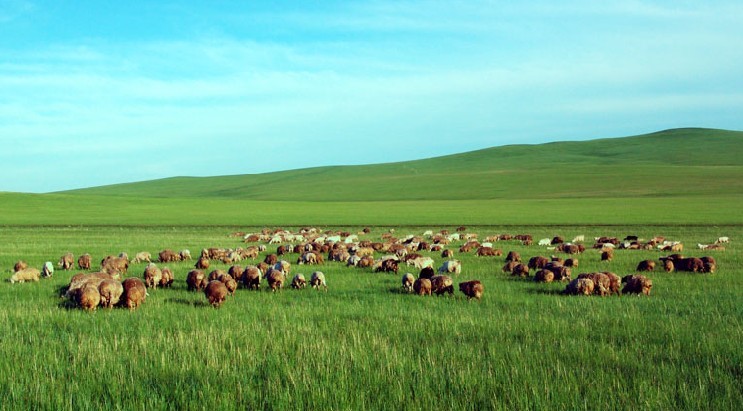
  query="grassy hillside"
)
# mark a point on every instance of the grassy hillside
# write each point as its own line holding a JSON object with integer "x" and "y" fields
{"x": 681, "y": 162}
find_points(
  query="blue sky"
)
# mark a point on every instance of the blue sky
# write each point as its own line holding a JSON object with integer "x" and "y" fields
{"x": 106, "y": 92}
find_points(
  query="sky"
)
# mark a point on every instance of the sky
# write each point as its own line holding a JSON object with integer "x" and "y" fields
{"x": 106, "y": 92}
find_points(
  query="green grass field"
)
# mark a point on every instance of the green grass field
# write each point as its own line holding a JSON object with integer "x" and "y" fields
{"x": 364, "y": 344}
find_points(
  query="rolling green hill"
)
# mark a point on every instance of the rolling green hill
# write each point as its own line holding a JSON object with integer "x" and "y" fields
{"x": 679, "y": 162}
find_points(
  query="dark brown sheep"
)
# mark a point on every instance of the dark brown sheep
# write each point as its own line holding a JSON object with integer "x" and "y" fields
{"x": 441, "y": 284}
{"x": 520, "y": 270}
{"x": 488, "y": 252}
{"x": 228, "y": 282}
{"x": 472, "y": 289}
{"x": 271, "y": 259}
{"x": 538, "y": 262}
{"x": 646, "y": 265}
{"x": 167, "y": 278}
{"x": 196, "y": 280}
{"x": 426, "y": 272}
{"x": 637, "y": 284}
{"x": 216, "y": 292}
{"x": 579, "y": 286}
{"x": 571, "y": 262}
{"x": 607, "y": 255}
{"x": 710, "y": 264}
{"x": 236, "y": 272}
{"x": 20, "y": 265}
{"x": 422, "y": 286}
{"x": 134, "y": 293}
{"x": 513, "y": 256}
{"x": 83, "y": 262}
{"x": 168, "y": 256}
{"x": 544, "y": 276}
{"x": 202, "y": 263}
{"x": 557, "y": 240}
{"x": 388, "y": 266}
{"x": 215, "y": 274}
{"x": 509, "y": 266}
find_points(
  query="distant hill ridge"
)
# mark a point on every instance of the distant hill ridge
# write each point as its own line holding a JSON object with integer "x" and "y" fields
{"x": 689, "y": 161}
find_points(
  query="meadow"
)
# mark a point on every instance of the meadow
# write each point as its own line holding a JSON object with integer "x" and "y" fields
{"x": 364, "y": 344}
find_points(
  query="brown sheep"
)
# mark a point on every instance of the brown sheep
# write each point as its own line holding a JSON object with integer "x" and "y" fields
{"x": 236, "y": 272}
{"x": 668, "y": 266}
{"x": 365, "y": 262}
{"x": 488, "y": 252}
{"x": 544, "y": 276}
{"x": 110, "y": 292}
{"x": 115, "y": 265}
{"x": 388, "y": 266}
{"x": 299, "y": 282}
{"x": 228, "y": 282}
{"x": 601, "y": 282}
{"x": 19, "y": 265}
{"x": 167, "y": 277}
{"x": 216, "y": 292}
{"x": 637, "y": 284}
{"x": 27, "y": 274}
{"x": 520, "y": 270}
{"x": 88, "y": 297}
{"x": 614, "y": 282}
{"x": 447, "y": 253}
{"x": 472, "y": 289}
{"x": 509, "y": 266}
{"x": 83, "y": 262}
{"x": 215, "y": 274}
{"x": 579, "y": 286}
{"x": 196, "y": 280}
{"x": 426, "y": 272}
{"x": 710, "y": 264}
{"x": 252, "y": 277}
{"x": 441, "y": 284}
{"x": 202, "y": 263}
{"x": 169, "y": 256}
{"x": 646, "y": 265}
{"x": 571, "y": 262}
{"x": 538, "y": 262}
{"x": 152, "y": 275}
{"x": 422, "y": 286}
{"x": 557, "y": 240}
{"x": 513, "y": 256}
{"x": 607, "y": 255}
{"x": 134, "y": 293}
{"x": 407, "y": 282}
{"x": 66, "y": 261}
{"x": 275, "y": 279}
{"x": 271, "y": 259}
{"x": 317, "y": 280}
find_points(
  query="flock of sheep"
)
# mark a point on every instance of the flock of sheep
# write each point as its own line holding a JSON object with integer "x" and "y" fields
{"x": 105, "y": 288}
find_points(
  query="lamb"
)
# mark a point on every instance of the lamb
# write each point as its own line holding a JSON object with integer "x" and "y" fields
{"x": 422, "y": 286}
{"x": 83, "y": 262}
{"x": 110, "y": 292}
{"x": 114, "y": 265}
{"x": 637, "y": 284}
{"x": 152, "y": 275}
{"x": 317, "y": 280}
{"x": 88, "y": 297}
{"x": 66, "y": 261}
{"x": 47, "y": 270}
{"x": 142, "y": 257}
{"x": 216, "y": 292}
{"x": 451, "y": 266}
{"x": 407, "y": 282}
{"x": 275, "y": 279}
{"x": 579, "y": 286}
{"x": 420, "y": 262}
{"x": 26, "y": 274}
{"x": 299, "y": 282}
{"x": 236, "y": 272}
{"x": 196, "y": 280}
{"x": 252, "y": 277}
{"x": 472, "y": 289}
{"x": 167, "y": 277}
{"x": 134, "y": 293}
{"x": 441, "y": 284}
{"x": 646, "y": 265}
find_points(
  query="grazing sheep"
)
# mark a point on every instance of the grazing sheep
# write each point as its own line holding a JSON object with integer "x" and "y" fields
{"x": 472, "y": 289}
{"x": 47, "y": 270}
{"x": 252, "y": 277}
{"x": 544, "y": 276}
{"x": 84, "y": 261}
{"x": 426, "y": 272}
{"x": 509, "y": 266}
{"x": 579, "y": 239}
{"x": 537, "y": 262}
{"x": 637, "y": 284}
{"x": 544, "y": 241}
{"x": 271, "y": 259}
{"x": 488, "y": 252}
{"x": 26, "y": 274}
{"x": 142, "y": 257}
{"x": 216, "y": 292}
{"x": 78, "y": 281}
{"x": 710, "y": 264}
{"x": 441, "y": 284}
{"x": 196, "y": 280}
{"x": 422, "y": 286}
{"x": 317, "y": 280}
{"x": 520, "y": 270}
{"x": 215, "y": 274}
{"x": 228, "y": 282}
{"x": 283, "y": 266}
{"x": 275, "y": 279}
{"x": 236, "y": 272}
{"x": 185, "y": 255}
{"x": 299, "y": 282}
{"x": 513, "y": 256}
{"x": 19, "y": 265}
{"x": 114, "y": 265}
{"x": 169, "y": 256}
{"x": 202, "y": 263}
{"x": 110, "y": 292}
{"x": 579, "y": 286}
{"x": 668, "y": 266}
{"x": 451, "y": 266}
{"x": 388, "y": 266}
{"x": 134, "y": 293}
{"x": 365, "y": 262}
{"x": 152, "y": 275}
{"x": 571, "y": 262}
{"x": 601, "y": 283}
{"x": 447, "y": 253}
{"x": 420, "y": 262}
{"x": 646, "y": 265}
{"x": 88, "y": 297}
{"x": 722, "y": 240}
{"x": 66, "y": 261}
{"x": 407, "y": 282}
{"x": 167, "y": 277}
{"x": 607, "y": 255}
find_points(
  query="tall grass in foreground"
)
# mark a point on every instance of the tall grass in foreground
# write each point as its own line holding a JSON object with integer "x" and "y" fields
{"x": 366, "y": 345}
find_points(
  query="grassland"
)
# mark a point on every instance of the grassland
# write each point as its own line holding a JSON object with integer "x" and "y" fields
{"x": 366, "y": 345}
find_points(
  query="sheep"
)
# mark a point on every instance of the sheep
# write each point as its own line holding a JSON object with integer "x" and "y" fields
{"x": 488, "y": 252}
{"x": 520, "y": 270}
{"x": 407, "y": 282}
{"x": 441, "y": 284}
{"x": 607, "y": 255}
{"x": 710, "y": 265}
{"x": 228, "y": 282}
{"x": 722, "y": 240}
{"x": 544, "y": 241}
{"x": 275, "y": 279}
{"x": 579, "y": 239}
{"x": 215, "y": 274}
{"x": 84, "y": 261}
{"x": 447, "y": 253}
{"x": 167, "y": 277}
{"x": 202, "y": 263}
{"x": 216, "y": 292}
{"x": 353, "y": 261}
{"x": 134, "y": 293}
{"x": 20, "y": 265}
{"x": 544, "y": 276}
{"x": 184, "y": 254}
{"x": 152, "y": 275}
{"x": 283, "y": 266}
{"x": 426, "y": 272}
{"x": 509, "y": 266}
{"x": 196, "y": 280}
{"x": 26, "y": 274}
{"x": 420, "y": 262}
{"x": 579, "y": 286}
{"x": 88, "y": 297}
{"x": 537, "y": 262}
{"x": 451, "y": 266}
{"x": 252, "y": 277}
{"x": 78, "y": 281}
{"x": 299, "y": 282}
{"x": 110, "y": 292}
{"x": 472, "y": 289}
{"x": 317, "y": 280}
{"x": 168, "y": 256}
{"x": 142, "y": 257}
{"x": 388, "y": 265}
{"x": 114, "y": 265}
{"x": 307, "y": 258}
{"x": 365, "y": 262}
{"x": 637, "y": 284}
{"x": 646, "y": 265}
{"x": 513, "y": 256}
{"x": 66, "y": 261}
{"x": 422, "y": 286}
{"x": 271, "y": 259}
{"x": 604, "y": 283}
{"x": 668, "y": 266}
{"x": 571, "y": 262}
{"x": 47, "y": 270}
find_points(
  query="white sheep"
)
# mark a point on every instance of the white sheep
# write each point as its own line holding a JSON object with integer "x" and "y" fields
{"x": 451, "y": 266}
{"x": 545, "y": 241}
